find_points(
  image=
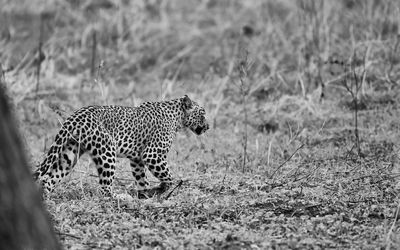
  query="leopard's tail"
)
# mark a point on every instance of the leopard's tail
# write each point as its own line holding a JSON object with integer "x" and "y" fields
{"x": 48, "y": 162}
{"x": 52, "y": 159}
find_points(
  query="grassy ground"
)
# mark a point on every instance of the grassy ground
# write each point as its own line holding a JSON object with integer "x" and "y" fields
{"x": 282, "y": 82}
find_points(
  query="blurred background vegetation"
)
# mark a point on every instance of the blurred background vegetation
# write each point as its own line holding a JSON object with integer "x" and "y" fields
{"x": 157, "y": 49}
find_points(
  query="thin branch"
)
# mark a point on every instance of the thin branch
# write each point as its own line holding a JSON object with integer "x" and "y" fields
{"x": 94, "y": 50}
{"x": 40, "y": 53}
{"x": 288, "y": 159}
{"x": 177, "y": 186}
{"x": 69, "y": 235}
{"x": 244, "y": 91}
{"x": 388, "y": 242}
{"x": 392, "y": 58}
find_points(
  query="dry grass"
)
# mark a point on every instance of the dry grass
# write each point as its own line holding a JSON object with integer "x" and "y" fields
{"x": 304, "y": 185}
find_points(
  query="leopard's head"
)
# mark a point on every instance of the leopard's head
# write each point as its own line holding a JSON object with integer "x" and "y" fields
{"x": 194, "y": 116}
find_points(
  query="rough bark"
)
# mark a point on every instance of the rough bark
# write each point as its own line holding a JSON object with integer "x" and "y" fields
{"x": 24, "y": 224}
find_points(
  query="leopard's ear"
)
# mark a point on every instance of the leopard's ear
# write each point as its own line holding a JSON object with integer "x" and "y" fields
{"x": 186, "y": 102}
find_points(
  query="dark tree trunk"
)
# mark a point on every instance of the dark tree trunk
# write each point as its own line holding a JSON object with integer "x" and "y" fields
{"x": 24, "y": 224}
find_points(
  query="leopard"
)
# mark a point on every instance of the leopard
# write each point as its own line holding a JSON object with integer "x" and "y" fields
{"x": 142, "y": 134}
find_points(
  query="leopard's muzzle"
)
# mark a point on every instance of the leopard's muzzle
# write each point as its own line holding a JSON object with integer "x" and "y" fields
{"x": 201, "y": 129}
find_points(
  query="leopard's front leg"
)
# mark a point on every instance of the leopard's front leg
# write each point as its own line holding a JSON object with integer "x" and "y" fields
{"x": 157, "y": 164}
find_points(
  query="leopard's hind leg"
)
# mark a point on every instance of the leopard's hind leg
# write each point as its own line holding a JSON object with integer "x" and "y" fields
{"x": 139, "y": 173}
{"x": 102, "y": 150}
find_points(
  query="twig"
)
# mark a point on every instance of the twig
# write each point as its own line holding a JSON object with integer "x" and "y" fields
{"x": 288, "y": 159}
{"x": 307, "y": 175}
{"x": 97, "y": 79}
{"x": 392, "y": 227}
{"x": 61, "y": 113}
{"x": 94, "y": 49}
{"x": 223, "y": 179}
{"x": 269, "y": 150}
{"x": 392, "y": 58}
{"x": 177, "y": 186}
{"x": 39, "y": 59}
{"x": 244, "y": 91}
{"x": 69, "y": 235}
{"x": 353, "y": 83}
